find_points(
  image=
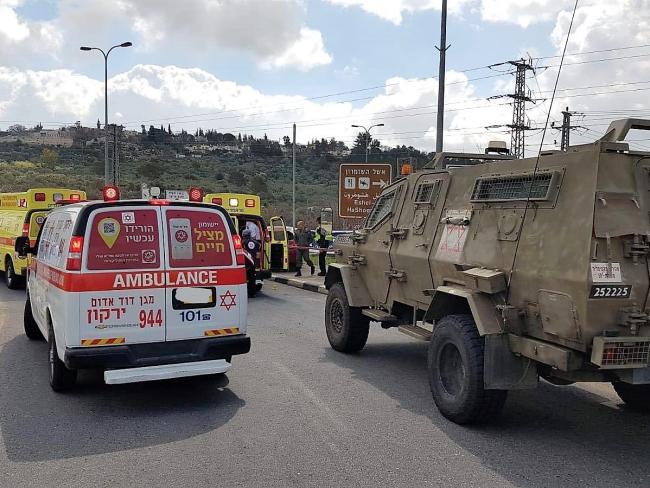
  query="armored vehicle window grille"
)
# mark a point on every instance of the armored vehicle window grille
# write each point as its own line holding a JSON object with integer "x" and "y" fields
{"x": 382, "y": 208}
{"x": 512, "y": 187}
{"x": 427, "y": 192}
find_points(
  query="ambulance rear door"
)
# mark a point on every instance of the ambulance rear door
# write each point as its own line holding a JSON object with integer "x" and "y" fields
{"x": 122, "y": 283}
{"x": 206, "y": 292}
{"x": 278, "y": 250}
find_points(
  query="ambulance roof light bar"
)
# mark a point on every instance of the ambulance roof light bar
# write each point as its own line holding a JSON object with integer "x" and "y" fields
{"x": 111, "y": 193}
{"x": 196, "y": 194}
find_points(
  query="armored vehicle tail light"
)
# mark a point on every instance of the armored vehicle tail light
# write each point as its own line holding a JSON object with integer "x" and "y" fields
{"x": 74, "y": 253}
{"x": 111, "y": 193}
{"x": 618, "y": 352}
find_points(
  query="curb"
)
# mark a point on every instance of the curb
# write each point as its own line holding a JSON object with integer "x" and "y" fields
{"x": 299, "y": 284}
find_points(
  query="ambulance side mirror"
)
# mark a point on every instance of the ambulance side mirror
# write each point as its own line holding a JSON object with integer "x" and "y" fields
{"x": 22, "y": 247}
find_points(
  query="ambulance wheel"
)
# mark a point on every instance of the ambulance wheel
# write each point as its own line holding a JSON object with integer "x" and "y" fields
{"x": 11, "y": 278}
{"x": 61, "y": 378}
{"x": 455, "y": 367}
{"x": 636, "y": 397}
{"x": 31, "y": 328}
{"x": 346, "y": 327}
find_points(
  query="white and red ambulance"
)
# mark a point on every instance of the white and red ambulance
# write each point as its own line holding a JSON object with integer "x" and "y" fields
{"x": 144, "y": 290}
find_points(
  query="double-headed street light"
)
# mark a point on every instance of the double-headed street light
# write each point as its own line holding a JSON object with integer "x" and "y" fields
{"x": 367, "y": 135}
{"x": 107, "y": 167}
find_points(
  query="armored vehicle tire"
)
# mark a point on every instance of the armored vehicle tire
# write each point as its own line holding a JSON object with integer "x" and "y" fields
{"x": 346, "y": 327}
{"x": 455, "y": 364}
{"x": 31, "y": 329}
{"x": 637, "y": 397}
{"x": 61, "y": 378}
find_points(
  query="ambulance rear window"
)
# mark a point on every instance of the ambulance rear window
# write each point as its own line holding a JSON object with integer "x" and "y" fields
{"x": 198, "y": 238}
{"x": 124, "y": 239}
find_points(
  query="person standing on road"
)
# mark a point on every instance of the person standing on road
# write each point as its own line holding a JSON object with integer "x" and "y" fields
{"x": 323, "y": 244}
{"x": 304, "y": 238}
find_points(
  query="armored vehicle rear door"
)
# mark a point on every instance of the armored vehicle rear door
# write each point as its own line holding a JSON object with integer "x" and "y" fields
{"x": 413, "y": 238}
{"x": 373, "y": 249}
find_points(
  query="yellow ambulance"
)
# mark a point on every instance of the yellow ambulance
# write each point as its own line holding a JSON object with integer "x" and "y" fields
{"x": 22, "y": 214}
{"x": 246, "y": 212}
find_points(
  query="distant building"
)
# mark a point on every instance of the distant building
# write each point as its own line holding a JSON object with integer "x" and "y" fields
{"x": 56, "y": 138}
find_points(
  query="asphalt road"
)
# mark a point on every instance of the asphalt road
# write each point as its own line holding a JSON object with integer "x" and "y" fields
{"x": 295, "y": 413}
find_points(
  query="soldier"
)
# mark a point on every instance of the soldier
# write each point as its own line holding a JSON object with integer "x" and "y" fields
{"x": 323, "y": 244}
{"x": 304, "y": 238}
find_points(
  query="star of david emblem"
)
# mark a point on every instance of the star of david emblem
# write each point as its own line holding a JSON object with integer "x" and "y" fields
{"x": 228, "y": 300}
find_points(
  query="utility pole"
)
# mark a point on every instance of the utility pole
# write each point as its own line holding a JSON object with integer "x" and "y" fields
{"x": 565, "y": 129}
{"x": 293, "y": 201}
{"x": 441, "y": 77}
{"x": 521, "y": 95}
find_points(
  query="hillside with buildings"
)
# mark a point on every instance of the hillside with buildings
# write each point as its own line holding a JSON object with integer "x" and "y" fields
{"x": 74, "y": 157}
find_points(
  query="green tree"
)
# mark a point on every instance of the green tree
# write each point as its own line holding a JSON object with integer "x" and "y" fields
{"x": 49, "y": 157}
{"x": 150, "y": 170}
{"x": 237, "y": 178}
{"x": 258, "y": 184}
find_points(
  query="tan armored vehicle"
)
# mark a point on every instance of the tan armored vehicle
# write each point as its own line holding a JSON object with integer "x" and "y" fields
{"x": 511, "y": 269}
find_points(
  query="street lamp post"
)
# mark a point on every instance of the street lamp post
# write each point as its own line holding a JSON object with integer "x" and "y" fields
{"x": 107, "y": 167}
{"x": 367, "y": 135}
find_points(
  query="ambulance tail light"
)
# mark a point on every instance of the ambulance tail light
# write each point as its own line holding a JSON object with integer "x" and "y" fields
{"x": 26, "y": 229}
{"x": 239, "y": 250}
{"x": 217, "y": 201}
{"x": 74, "y": 253}
{"x": 110, "y": 193}
{"x": 249, "y": 203}
{"x": 196, "y": 194}
{"x": 159, "y": 201}
{"x": 39, "y": 197}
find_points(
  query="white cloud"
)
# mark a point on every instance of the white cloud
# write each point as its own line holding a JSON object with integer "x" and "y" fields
{"x": 12, "y": 28}
{"x": 20, "y": 38}
{"x": 393, "y": 10}
{"x": 307, "y": 52}
{"x": 522, "y": 12}
{"x": 154, "y": 95}
{"x": 271, "y": 31}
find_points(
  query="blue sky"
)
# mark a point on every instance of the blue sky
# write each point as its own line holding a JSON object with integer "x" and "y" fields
{"x": 260, "y": 61}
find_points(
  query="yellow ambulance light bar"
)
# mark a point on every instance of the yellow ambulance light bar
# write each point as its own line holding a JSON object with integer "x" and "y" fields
{"x": 236, "y": 203}
{"x": 40, "y": 198}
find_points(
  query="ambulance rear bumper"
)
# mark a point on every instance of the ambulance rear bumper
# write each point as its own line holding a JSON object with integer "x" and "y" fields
{"x": 156, "y": 353}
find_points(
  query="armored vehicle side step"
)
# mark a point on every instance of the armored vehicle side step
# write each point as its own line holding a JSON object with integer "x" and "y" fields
{"x": 416, "y": 332}
{"x": 379, "y": 315}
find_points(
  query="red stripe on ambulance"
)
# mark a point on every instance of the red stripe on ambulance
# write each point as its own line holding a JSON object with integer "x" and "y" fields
{"x": 77, "y": 282}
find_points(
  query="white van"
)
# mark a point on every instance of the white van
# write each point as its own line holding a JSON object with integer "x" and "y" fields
{"x": 144, "y": 290}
